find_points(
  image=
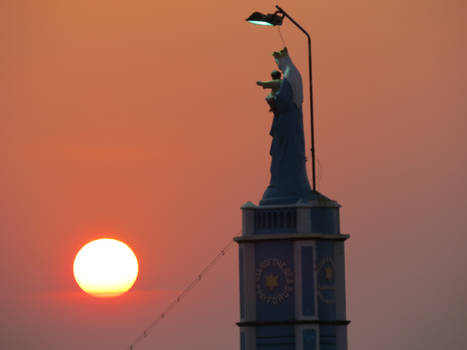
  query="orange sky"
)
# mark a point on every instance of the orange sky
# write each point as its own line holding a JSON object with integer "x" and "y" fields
{"x": 142, "y": 121}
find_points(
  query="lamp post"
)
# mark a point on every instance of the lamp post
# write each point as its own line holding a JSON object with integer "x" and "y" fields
{"x": 274, "y": 20}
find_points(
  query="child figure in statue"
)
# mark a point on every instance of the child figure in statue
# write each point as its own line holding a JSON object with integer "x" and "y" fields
{"x": 274, "y": 85}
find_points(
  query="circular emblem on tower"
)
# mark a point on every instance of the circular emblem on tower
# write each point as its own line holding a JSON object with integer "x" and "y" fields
{"x": 274, "y": 281}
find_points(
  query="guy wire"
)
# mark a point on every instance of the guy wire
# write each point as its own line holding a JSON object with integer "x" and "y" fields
{"x": 179, "y": 298}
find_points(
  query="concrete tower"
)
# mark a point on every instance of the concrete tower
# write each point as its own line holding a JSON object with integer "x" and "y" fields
{"x": 292, "y": 276}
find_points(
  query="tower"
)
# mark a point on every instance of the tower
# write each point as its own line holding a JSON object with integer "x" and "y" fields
{"x": 292, "y": 276}
{"x": 291, "y": 251}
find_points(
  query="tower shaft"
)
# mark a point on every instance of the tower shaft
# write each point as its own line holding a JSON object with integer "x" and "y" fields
{"x": 292, "y": 277}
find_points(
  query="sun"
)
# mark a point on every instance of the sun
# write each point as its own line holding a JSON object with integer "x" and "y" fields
{"x": 105, "y": 268}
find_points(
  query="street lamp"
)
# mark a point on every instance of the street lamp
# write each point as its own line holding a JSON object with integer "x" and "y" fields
{"x": 275, "y": 19}
{"x": 265, "y": 20}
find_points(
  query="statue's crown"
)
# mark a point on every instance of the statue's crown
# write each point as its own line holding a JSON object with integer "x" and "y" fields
{"x": 280, "y": 53}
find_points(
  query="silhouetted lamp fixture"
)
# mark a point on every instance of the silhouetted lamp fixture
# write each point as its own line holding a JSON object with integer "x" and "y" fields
{"x": 276, "y": 19}
{"x": 265, "y": 20}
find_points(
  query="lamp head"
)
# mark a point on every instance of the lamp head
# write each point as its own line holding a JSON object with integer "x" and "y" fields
{"x": 265, "y": 20}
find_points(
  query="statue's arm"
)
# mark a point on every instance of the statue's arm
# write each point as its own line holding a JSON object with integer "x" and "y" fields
{"x": 284, "y": 97}
{"x": 271, "y": 84}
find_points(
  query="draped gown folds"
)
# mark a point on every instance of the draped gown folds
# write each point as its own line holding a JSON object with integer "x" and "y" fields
{"x": 289, "y": 181}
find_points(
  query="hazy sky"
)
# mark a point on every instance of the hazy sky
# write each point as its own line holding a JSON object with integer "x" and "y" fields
{"x": 141, "y": 121}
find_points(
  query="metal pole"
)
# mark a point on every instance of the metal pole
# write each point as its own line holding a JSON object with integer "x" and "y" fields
{"x": 311, "y": 96}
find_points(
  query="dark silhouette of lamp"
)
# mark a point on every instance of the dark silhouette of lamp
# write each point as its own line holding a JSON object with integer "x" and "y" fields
{"x": 276, "y": 19}
{"x": 265, "y": 20}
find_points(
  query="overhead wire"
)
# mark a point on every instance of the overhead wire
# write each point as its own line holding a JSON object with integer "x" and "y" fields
{"x": 280, "y": 34}
{"x": 144, "y": 334}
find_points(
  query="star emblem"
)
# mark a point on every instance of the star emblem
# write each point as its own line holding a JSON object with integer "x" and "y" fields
{"x": 272, "y": 281}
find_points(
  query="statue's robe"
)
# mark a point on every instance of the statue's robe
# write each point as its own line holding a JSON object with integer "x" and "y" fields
{"x": 289, "y": 180}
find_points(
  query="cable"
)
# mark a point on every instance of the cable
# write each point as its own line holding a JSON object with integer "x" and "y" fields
{"x": 280, "y": 34}
{"x": 182, "y": 295}
{"x": 319, "y": 171}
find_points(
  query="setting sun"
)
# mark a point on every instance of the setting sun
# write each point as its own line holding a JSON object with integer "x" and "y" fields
{"x": 105, "y": 268}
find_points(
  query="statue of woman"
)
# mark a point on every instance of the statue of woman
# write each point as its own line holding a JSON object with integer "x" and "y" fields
{"x": 289, "y": 181}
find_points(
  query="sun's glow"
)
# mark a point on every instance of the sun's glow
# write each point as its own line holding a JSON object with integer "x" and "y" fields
{"x": 105, "y": 268}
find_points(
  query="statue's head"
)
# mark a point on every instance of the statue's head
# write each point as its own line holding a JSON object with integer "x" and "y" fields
{"x": 279, "y": 57}
{"x": 280, "y": 53}
{"x": 276, "y": 75}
